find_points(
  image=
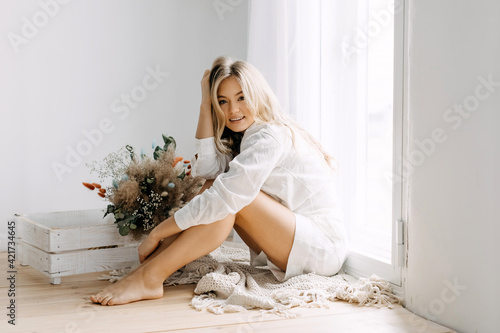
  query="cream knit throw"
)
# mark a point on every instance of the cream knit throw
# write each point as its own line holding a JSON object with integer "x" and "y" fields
{"x": 228, "y": 283}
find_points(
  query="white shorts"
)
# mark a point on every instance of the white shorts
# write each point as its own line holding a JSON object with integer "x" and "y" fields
{"x": 312, "y": 252}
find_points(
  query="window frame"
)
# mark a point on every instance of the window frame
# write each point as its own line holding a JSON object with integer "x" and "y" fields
{"x": 361, "y": 264}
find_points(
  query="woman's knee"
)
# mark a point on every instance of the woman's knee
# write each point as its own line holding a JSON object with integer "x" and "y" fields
{"x": 263, "y": 207}
{"x": 245, "y": 211}
{"x": 219, "y": 230}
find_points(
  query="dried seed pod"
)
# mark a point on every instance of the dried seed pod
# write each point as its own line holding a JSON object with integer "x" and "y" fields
{"x": 102, "y": 195}
{"x": 96, "y": 185}
{"x": 89, "y": 186}
{"x": 102, "y": 190}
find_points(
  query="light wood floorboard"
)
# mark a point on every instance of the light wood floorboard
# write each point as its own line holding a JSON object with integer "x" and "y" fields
{"x": 42, "y": 307}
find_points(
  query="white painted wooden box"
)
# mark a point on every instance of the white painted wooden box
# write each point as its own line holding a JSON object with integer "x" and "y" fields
{"x": 73, "y": 242}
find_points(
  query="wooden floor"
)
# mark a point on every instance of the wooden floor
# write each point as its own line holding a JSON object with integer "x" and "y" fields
{"x": 42, "y": 307}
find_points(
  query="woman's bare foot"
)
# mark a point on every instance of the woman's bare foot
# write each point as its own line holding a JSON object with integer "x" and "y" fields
{"x": 135, "y": 287}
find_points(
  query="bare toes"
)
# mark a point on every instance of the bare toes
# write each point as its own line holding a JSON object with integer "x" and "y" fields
{"x": 106, "y": 300}
{"x": 96, "y": 298}
{"x": 102, "y": 296}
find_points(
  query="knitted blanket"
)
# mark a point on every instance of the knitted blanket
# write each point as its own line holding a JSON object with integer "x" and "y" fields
{"x": 226, "y": 282}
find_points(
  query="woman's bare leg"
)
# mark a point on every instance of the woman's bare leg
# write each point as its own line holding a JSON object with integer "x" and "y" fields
{"x": 147, "y": 281}
{"x": 163, "y": 245}
{"x": 266, "y": 224}
{"x": 167, "y": 241}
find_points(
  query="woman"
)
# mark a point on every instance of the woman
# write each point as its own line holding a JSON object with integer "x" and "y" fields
{"x": 272, "y": 183}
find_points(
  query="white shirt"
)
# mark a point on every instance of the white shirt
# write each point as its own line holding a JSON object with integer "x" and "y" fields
{"x": 293, "y": 173}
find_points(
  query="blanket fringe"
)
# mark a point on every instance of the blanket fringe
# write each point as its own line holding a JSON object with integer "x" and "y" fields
{"x": 372, "y": 291}
{"x": 304, "y": 298}
{"x": 209, "y": 302}
{"x": 281, "y": 312}
{"x": 114, "y": 275}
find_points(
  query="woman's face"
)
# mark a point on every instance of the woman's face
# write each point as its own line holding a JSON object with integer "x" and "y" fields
{"x": 232, "y": 102}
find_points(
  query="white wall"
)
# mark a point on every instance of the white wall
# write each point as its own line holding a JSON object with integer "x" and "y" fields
{"x": 454, "y": 194}
{"x": 64, "y": 79}
{"x": 85, "y": 55}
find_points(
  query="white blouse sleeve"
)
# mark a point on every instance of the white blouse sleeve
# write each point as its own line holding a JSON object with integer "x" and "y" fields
{"x": 236, "y": 188}
{"x": 210, "y": 162}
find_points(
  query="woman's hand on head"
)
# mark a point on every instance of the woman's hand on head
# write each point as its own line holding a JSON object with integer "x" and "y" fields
{"x": 205, "y": 123}
{"x": 206, "y": 99}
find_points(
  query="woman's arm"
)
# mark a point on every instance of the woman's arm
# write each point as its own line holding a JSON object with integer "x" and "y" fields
{"x": 205, "y": 125}
{"x": 208, "y": 161}
{"x": 240, "y": 185}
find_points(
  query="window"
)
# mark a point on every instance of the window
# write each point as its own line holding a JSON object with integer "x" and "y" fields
{"x": 369, "y": 185}
{"x": 336, "y": 67}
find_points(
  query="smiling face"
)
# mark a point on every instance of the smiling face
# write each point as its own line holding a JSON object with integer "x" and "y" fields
{"x": 232, "y": 102}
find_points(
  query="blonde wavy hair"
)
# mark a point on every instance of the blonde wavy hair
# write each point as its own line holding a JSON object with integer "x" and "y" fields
{"x": 260, "y": 100}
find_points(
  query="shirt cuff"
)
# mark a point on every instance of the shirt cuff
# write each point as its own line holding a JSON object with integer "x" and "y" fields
{"x": 206, "y": 146}
{"x": 183, "y": 218}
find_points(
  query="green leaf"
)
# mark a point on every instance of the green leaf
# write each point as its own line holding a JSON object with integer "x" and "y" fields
{"x": 182, "y": 175}
{"x": 110, "y": 209}
{"x": 133, "y": 226}
{"x": 157, "y": 153}
{"x": 168, "y": 141}
{"x": 129, "y": 218}
{"x": 150, "y": 180}
{"x": 120, "y": 216}
{"x": 124, "y": 230}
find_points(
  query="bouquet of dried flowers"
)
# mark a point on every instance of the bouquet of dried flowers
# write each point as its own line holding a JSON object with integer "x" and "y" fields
{"x": 145, "y": 191}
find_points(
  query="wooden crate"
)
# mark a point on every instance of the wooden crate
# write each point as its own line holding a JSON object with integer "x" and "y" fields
{"x": 74, "y": 242}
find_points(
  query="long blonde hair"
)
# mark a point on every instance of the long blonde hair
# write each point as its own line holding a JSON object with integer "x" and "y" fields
{"x": 260, "y": 100}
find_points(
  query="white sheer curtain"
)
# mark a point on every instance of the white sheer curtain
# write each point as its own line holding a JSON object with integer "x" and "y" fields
{"x": 297, "y": 46}
{"x": 286, "y": 47}
{"x": 321, "y": 66}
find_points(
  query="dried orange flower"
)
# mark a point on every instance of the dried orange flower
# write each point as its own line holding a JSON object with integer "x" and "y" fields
{"x": 177, "y": 160}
